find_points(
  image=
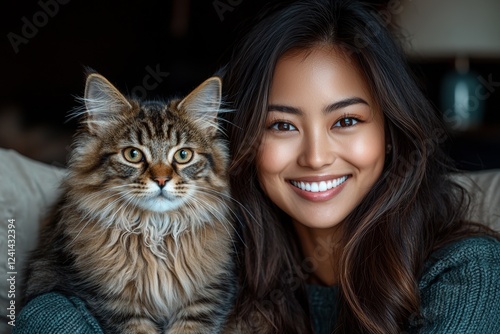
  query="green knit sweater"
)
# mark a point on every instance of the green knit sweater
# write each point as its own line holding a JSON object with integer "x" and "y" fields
{"x": 460, "y": 293}
{"x": 459, "y": 290}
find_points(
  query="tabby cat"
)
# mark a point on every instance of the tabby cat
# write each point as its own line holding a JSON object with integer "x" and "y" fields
{"x": 143, "y": 233}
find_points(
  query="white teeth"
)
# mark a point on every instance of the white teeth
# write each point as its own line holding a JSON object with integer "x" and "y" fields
{"x": 322, "y": 186}
{"x": 314, "y": 187}
{"x": 319, "y": 186}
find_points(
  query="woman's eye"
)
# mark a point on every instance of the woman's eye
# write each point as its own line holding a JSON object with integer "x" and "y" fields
{"x": 282, "y": 126}
{"x": 346, "y": 122}
{"x": 132, "y": 154}
{"x": 184, "y": 155}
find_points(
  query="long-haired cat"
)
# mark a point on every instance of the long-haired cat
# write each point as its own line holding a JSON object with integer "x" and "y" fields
{"x": 143, "y": 232}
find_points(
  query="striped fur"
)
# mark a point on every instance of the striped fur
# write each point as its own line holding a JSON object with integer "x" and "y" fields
{"x": 145, "y": 258}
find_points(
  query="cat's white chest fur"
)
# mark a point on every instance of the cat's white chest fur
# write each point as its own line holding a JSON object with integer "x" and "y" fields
{"x": 156, "y": 279}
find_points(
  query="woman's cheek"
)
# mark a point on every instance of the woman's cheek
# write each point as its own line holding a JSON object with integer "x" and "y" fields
{"x": 367, "y": 149}
{"x": 273, "y": 155}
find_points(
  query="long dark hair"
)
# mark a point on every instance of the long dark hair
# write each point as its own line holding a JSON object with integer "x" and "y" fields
{"x": 413, "y": 209}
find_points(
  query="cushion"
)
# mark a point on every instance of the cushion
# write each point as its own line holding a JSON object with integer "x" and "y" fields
{"x": 484, "y": 187}
{"x": 27, "y": 189}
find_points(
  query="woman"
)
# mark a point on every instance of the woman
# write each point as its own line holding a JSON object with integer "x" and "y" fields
{"x": 336, "y": 159}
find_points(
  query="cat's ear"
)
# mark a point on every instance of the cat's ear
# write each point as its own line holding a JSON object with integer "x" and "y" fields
{"x": 204, "y": 103}
{"x": 103, "y": 103}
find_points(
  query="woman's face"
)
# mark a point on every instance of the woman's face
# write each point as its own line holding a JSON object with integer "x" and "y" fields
{"x": 324, "y": 145}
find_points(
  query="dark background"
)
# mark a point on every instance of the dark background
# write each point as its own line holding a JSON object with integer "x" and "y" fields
{"x": 126, "y": 40}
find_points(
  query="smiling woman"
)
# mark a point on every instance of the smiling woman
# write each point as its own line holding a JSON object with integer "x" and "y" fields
{"x": 322, "y": 129}
{"x": 351, "y": 222}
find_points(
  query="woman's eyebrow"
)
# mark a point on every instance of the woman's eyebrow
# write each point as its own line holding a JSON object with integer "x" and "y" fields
{"x": 328, "y": 109}
{"x": 285, "y": 109}
{"x": 344, "y": 104}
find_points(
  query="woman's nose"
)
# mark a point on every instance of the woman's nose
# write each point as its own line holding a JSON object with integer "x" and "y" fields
{"x": 316, "y": 151}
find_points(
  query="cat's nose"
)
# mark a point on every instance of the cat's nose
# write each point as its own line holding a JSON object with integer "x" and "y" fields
{"x": 162, "y": 181}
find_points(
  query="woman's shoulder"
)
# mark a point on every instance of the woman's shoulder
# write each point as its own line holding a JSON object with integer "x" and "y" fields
{"x": 482, "y": 252}
{"x": 469, "y": 259}
{"x": 56, "y": 313}
{"x": 460, "y": 288}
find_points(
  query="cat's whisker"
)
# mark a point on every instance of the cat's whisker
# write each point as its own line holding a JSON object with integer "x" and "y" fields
{"x": 76, "y": 112}
{"x": 91, "y": 216}
{"x": 218, "y": 215}
{"x": 100, "y": 212}
{"x": 234, "y": 214}
{"x": 229, "y": 197}
{"x": 212, "y": 207}
{"x": 228, "y": 122}
{"x": 81, "y": 230}
{"x": 128, "y": 201}
{"x": 217, "y": 195}
{"x": 108, "y": 204}
{"x": 111, "y": 190}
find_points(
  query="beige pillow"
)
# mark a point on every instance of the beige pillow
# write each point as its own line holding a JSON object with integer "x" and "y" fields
{"x": 27, "y": 189}
{"x": 484, "y": 187}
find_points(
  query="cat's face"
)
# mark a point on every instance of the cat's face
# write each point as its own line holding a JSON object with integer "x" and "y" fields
{"x": 153, "y": 156}
{"x": 161, "y": 160}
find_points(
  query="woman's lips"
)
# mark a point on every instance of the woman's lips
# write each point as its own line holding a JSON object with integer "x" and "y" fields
{"x": 320, "y": 190}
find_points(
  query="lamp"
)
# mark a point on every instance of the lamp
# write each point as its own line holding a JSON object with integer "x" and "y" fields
{"x": 460, "y": 30}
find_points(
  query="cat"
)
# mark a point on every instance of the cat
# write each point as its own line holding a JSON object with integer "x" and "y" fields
{"x": 144, "y": 232}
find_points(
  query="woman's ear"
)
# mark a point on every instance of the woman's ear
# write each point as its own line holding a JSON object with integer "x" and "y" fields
{"x": 388, "y": 138}
{"x": 388, "y": 148}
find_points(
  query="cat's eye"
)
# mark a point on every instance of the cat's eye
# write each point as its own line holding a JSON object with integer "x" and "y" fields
{"x": 184, "y": 155}
{"x": 132, "y": 154}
